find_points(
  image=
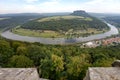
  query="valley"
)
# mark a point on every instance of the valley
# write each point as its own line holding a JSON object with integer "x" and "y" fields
{"x": 58, "y": 56}
{"x": 66, "y": 29}
{"x": 59, "y": 39}
{"x": 66, "y": 26}
{"x": 9, "y": 35}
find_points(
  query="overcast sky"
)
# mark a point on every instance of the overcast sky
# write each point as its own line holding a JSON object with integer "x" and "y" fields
{"x": 49, "y": 6}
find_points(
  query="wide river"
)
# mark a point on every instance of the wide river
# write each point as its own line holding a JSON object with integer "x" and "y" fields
{"x": 12, "y": 36}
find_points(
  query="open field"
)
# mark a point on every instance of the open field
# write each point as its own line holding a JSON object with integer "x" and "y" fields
{"x": 3, "y": 19}
{"x": 64, "y": 17}
{"x": 53, "y": 34}
{"x": 37, "y": 33}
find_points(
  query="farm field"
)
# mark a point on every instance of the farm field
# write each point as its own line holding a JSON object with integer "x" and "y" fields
{"x": 55, "y": 18}
{"x": 54, "y": 34}
{"x": 37, "y": 33}
{"x": 3, "y": 19}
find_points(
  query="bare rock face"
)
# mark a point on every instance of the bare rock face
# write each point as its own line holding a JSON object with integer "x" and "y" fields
{"x": 19, "y": 74}
{"x": 104, "y": 73}
{"x": 116, "y": 63}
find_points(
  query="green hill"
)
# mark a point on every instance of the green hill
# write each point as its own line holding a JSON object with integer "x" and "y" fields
{"x": 77, "y": 24}
{"x": 77, "y": 20}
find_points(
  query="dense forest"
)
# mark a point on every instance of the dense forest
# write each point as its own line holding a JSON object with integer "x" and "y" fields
{"x": 56, "y": 62}
{"x": 66, "y": 24}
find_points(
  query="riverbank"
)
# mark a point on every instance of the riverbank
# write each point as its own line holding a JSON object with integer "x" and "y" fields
{"x": 54, "y": 34}
{"x": 12, "y": 36}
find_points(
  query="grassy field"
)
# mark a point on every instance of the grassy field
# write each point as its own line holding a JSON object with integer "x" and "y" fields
{"x": 37, "y": 33}
{"x": 53, "y": 34}
{"x": 63, "y": 17}
{"x": 3, "y": 19}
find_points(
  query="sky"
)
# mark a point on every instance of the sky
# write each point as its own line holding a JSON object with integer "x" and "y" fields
{"x": 52, "y": 6}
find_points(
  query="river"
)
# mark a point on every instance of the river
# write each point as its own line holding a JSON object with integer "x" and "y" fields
{"x": 12, "y": 36}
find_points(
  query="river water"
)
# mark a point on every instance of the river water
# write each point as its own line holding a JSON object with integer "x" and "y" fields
{"x": 12, "y": 36}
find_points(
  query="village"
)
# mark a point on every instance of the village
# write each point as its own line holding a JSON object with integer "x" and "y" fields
{"x": 102, "y": 42}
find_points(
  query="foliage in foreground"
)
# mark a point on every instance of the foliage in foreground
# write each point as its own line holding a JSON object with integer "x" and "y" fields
{"x": 56, "y": 62}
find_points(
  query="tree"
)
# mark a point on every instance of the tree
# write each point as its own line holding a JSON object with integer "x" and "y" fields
{"x": 5, "y": 53}
{"x": 21, "y": 50}
{"x": 76, "y": 65}
{"x": 16, "y": 44}
{"x": 53, "y": 65}
{"x": 104, "y": 62}
{"x": 36, "y": 53}
{"x": 20, "y": 62}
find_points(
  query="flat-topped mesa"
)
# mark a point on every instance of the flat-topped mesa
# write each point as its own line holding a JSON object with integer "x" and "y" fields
{"x": 116, "y": 63}
{"x": 80, "y": 13}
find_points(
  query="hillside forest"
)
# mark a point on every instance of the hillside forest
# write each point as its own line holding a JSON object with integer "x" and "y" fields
{"x": 56, "y": 62}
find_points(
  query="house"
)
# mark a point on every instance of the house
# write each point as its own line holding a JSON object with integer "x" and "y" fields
{"x": 90, "y": 44}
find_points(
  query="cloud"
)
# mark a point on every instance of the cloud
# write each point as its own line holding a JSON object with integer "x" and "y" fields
{"x": 50, "y": 3}
{"x": 30, "y": 1}
{"x": 49, "y": 6}
{"x": 31, "y": 8}
{"x": 102, "y": 6}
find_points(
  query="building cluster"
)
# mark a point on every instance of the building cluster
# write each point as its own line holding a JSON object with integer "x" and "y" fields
{"x": 101, "y": 42}
{"x": 111, "y": 41}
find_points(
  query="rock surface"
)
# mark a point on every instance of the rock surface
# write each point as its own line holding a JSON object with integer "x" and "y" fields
{"x": 19, "y": 74}
{"x": 103, "y": 73}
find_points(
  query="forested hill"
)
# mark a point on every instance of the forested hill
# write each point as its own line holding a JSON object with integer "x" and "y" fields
{"x": 78, "y": 20}
{"x": 12, "y": 20}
